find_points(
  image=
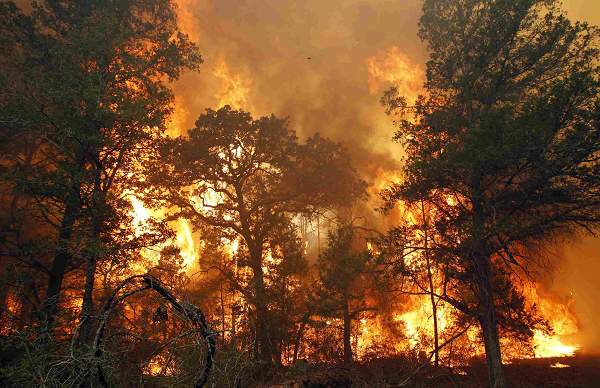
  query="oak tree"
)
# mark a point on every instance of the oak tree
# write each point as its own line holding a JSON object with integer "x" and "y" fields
{"x": 244, "y": 179}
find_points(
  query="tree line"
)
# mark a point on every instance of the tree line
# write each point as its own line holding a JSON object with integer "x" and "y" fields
{"x": 502, "y": 162}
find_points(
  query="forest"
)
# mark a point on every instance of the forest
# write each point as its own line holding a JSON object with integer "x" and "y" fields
{"x": 144, "y": 243}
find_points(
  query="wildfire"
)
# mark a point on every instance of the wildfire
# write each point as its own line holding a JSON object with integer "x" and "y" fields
{"x": 234, "y": 89}
{"x": 178, "y": 118}
{"x": 395, "y": 67}
{"x": 186, "y": 21}
{"x": 562, "y": 319}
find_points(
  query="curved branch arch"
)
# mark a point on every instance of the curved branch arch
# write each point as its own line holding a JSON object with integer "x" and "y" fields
{"x": 190, "y": 312}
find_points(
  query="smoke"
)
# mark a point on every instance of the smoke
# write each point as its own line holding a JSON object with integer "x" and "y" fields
{"x": 306, "y": 60}
{"x": 578, "y": 268}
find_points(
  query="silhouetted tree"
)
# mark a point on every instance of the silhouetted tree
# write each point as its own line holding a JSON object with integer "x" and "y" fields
{"x": 246, "y": 178}
{"x": 504, "y": 147}
{"x": 341, "y": 289}
{"x": 84, "y": 83}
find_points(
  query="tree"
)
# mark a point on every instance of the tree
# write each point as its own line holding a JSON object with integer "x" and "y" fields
{"x": 339, "y": 291}
{"x": 242, "y": 179}
{"x": 85, "y": 83}
{"x": 287, "y": 274}
{"x": 504, "y": 147}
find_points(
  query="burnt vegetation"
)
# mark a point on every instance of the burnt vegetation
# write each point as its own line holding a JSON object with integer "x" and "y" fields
{"x": 290, "y": 281}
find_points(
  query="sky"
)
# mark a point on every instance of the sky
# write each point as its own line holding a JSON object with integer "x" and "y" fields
{"x": 325, "y": 64}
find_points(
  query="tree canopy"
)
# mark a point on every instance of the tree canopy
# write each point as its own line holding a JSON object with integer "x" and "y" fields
{"x": 83, "y": 93}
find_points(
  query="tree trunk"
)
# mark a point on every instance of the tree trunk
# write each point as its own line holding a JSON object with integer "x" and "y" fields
{"x": 61, "y": 254}
{"x": 480, "y": 262}
{"x": 299, "y": 337}
{"x": 98, "y": 206}
{"x": 347, "y": 327}
{"x": 233, "y": 319}
{"x": 260, "y": 302}
{"x": 431, "y": 287}
{"x": 488, "y": 324}
{"x": 87, "y": 304}
{"x": 59, "y": 264}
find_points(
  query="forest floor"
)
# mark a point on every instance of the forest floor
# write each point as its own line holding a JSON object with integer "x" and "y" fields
{"x": 580, "y": 371}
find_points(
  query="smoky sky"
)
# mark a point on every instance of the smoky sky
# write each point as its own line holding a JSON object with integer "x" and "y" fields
{"x": 306, "y": 60}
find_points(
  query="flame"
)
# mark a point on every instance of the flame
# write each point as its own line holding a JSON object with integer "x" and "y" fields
{"x": 178, "y": 118}
{"x": 184, "y": 239}
{"x": 395, "y": 67}
{"x": 562, "y": 319}
{"x": 559, "y": 365}
{"x": 186, "y": 242}
{"x": 186, "y": 21}
{"x": 551, "y": 346}
{"x": 156, "y": 366}
{"x": 234, "y": 89}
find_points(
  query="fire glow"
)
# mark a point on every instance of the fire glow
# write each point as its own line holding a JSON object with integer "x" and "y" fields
{"x": 254, "y": 193}
{"x": 393, "y": 67}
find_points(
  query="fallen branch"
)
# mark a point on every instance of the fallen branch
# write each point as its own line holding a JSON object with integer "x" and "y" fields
{"x": 191, "y": 313}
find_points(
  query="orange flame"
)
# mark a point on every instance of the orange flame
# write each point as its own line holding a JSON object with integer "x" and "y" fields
{"x": 395, "y": 67}
{"x": 178, "y": 119}
{"x": 234, "y": 89}
{"x": 186, "y": 21}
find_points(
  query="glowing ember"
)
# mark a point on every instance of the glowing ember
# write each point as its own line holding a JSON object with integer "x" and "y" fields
{"x": 559, "y": 365}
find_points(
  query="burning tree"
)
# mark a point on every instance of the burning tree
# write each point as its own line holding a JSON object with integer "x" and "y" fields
{"x": 243, "y": 179}
{"x": 505, "y": 145}
{"x": 340, "y": 294}
{"x": 82, "y": 95}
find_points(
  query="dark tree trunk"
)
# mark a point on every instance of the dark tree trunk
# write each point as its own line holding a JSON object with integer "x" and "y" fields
{"x": 260, "y": 303}
{"x": 347, "y": 332}
{"x": 59, "y": 263}
{"x": 61, "y": 254}
{"x": 299, "y": 337}
{"x": 431, "y": 287}
{"x": 24, "y": 313}
{"x": 480, "y": 262}
{"x": 87, "y": 304}
{"x": 488, "y": 324}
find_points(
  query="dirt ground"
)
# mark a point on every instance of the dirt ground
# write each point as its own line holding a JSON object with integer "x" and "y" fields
{"x": 580, "y": 371}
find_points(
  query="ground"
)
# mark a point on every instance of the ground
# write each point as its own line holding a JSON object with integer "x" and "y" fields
{"x": 583, "y": 371}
